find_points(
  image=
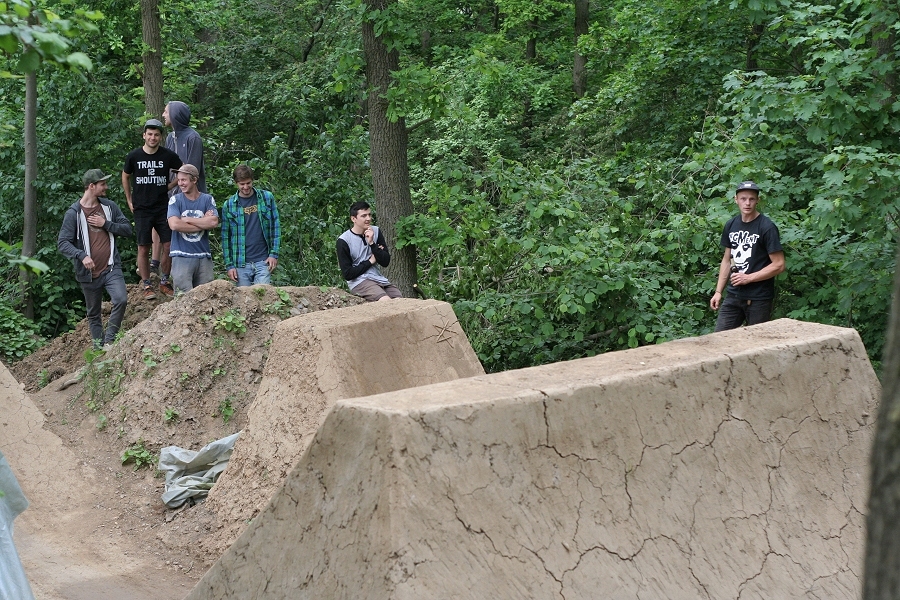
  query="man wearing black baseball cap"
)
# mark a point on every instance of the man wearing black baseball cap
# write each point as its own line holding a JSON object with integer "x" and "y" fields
{"x": 148, "y": 171}
{"x": 88, "y": 236}
{"x": 753, "y": 257}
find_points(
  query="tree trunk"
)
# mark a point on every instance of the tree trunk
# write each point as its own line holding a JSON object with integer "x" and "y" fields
{"x": 388, "y": 154}
{"x": 756, "y": 32}
{"x": 579, "y": 70}
{"x": 882, "y": 564}
{"x": 152, "y": 57}
{"x": 29, "y": 229}
{"x": 883, "y": 42}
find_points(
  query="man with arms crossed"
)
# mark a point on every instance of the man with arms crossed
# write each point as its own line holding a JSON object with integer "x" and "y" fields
{"x": 88, "y": 237}
{"x": 148, "y": 169}
{"x": 251, "y": 232}
{"x": 361, "y": 249}
{"x": 191, "y": 215}
{"x": 752, "y": 258}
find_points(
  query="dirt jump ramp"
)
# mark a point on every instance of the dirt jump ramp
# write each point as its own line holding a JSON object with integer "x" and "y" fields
{"x": 727, "y": 466}
{"x": 316, "y": 360}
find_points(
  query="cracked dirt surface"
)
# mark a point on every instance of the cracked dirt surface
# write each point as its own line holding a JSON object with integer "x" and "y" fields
{"x": 728, "y": 466}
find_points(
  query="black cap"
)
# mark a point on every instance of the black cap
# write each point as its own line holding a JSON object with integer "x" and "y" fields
{"x": 747, "y": 185}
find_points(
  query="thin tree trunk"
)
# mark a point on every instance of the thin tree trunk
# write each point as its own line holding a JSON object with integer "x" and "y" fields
{"x": 579, "y": 69}
{"x": 29, "y": 230}
{"x": 881, "y": 580}
{"x": 152, "y": 58}
{"x": 388, "y": 154}
{"x": 756, "y": 32}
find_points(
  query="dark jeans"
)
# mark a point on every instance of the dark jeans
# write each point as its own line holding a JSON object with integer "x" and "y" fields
{"x": 734, "y": 311}
{"x": 114, "y": 283}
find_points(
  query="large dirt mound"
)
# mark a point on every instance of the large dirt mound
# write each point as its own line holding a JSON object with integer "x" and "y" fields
{"x": 727, "y": 466}
{"x": 182, "y": 374}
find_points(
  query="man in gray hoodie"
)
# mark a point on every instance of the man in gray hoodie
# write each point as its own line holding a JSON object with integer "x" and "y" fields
{"x": 88, "y": 236}
{"x": 184, "y": 139}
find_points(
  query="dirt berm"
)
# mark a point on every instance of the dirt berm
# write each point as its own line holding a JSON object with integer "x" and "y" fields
{"x": 316, "y": 360}
{"x": 727, "y": 466}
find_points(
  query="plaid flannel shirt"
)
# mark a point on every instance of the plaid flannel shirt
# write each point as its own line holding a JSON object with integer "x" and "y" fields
{"x": 234, "y": 240}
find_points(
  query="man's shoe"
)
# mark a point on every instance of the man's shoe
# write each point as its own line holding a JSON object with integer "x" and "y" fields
{"x": 166, "y": 289}
{"x": 149, "y": 294}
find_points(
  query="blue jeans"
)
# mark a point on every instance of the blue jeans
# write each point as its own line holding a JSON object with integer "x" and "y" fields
{"x": 188, "y": 273}
{"x": 734, "y": 311}
{"x": 254, "y": 273}
{"x": 114, "y": 283}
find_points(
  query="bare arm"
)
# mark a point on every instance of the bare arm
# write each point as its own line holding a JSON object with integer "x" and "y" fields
{"x": 722, "y": 281}
{"x": 126, "y": 187}
{"x": 194, "y": 224}
{"x": 770, "y": 271}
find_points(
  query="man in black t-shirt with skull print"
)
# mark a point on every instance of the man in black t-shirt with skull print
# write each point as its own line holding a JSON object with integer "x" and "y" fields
{"x": 752, "y": 258}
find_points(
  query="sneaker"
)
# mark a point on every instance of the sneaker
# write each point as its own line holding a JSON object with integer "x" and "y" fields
{"x": 149, "y": 294}
{"x": 166, "y": 288}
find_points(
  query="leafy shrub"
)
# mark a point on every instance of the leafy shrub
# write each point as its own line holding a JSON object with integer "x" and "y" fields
{"x": 18, "y": 335}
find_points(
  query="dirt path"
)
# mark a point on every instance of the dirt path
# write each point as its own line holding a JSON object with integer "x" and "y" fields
{"x": 73, "y": 544}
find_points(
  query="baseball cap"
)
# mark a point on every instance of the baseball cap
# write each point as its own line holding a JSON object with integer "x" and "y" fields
{"x": 748, "y": 185}
{"x": 153, "y": 124}
{"x": 190, "y": 170}
{"x": 93, "y": 176}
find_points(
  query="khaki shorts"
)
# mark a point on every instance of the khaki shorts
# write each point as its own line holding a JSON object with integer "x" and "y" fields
{"x": 372, "y": 291}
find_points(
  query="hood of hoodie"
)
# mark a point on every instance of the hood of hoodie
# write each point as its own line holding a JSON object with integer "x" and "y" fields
{"x": 179, "y": 115}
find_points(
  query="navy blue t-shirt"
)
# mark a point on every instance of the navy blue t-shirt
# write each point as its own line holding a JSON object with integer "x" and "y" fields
{"x": 255, "y": 247}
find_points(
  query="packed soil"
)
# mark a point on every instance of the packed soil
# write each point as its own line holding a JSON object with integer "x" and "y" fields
{"x": 183, "y": 373}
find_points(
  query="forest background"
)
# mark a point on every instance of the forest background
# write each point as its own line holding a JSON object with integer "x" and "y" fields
{"x": 569, "y": 166}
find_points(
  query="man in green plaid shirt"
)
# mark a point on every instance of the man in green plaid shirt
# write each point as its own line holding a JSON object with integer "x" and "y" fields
{"x": 251, "y": 232}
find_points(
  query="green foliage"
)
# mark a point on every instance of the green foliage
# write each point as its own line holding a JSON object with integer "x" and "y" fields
{"x": 43, "y": 378}
{"x": 38, "y": 34}
{"x": 18, "y": 335}
{"x": 232, "y": 321}
{"x": 226, "y": 410}
{"x": 102, "y": 422}
{"x": 170, "y": 415}
{"x": 101, "y": 379}
{"x": 149, "y": 361}
{"x": 141, "y": 456}
{"x": 282, "y": 306}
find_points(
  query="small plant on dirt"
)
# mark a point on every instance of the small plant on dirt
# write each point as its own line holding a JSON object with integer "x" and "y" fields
{"x": 43, "y": 378}
{"x": 219, "y": 371}
{"x": 226, "y": 409}
{"x": 149, "y": 361}
{"x": 282, "y": 306}
{"x": 102, "y": 379}
{"x": 260, "y": 291}
{"x": 102, "y": 422}
{"x": 232, "y": 321}
{"x": 173, "y": 349}
{"x": 218, "y": 341}
{"x": 121, "y": 433}
{"x": 183, "y": 377}
{"x": 139, "y": 454}
{"x": 170, "y": 415}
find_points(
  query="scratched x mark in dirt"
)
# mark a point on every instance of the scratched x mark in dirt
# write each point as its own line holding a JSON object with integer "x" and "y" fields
{"x": 445, "y": 334}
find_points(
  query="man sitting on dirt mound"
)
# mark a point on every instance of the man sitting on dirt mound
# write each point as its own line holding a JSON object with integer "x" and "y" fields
{"x": 88, "y": 238}
{"x": 191, "y": 215}
{"x": 360, "y": 250}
